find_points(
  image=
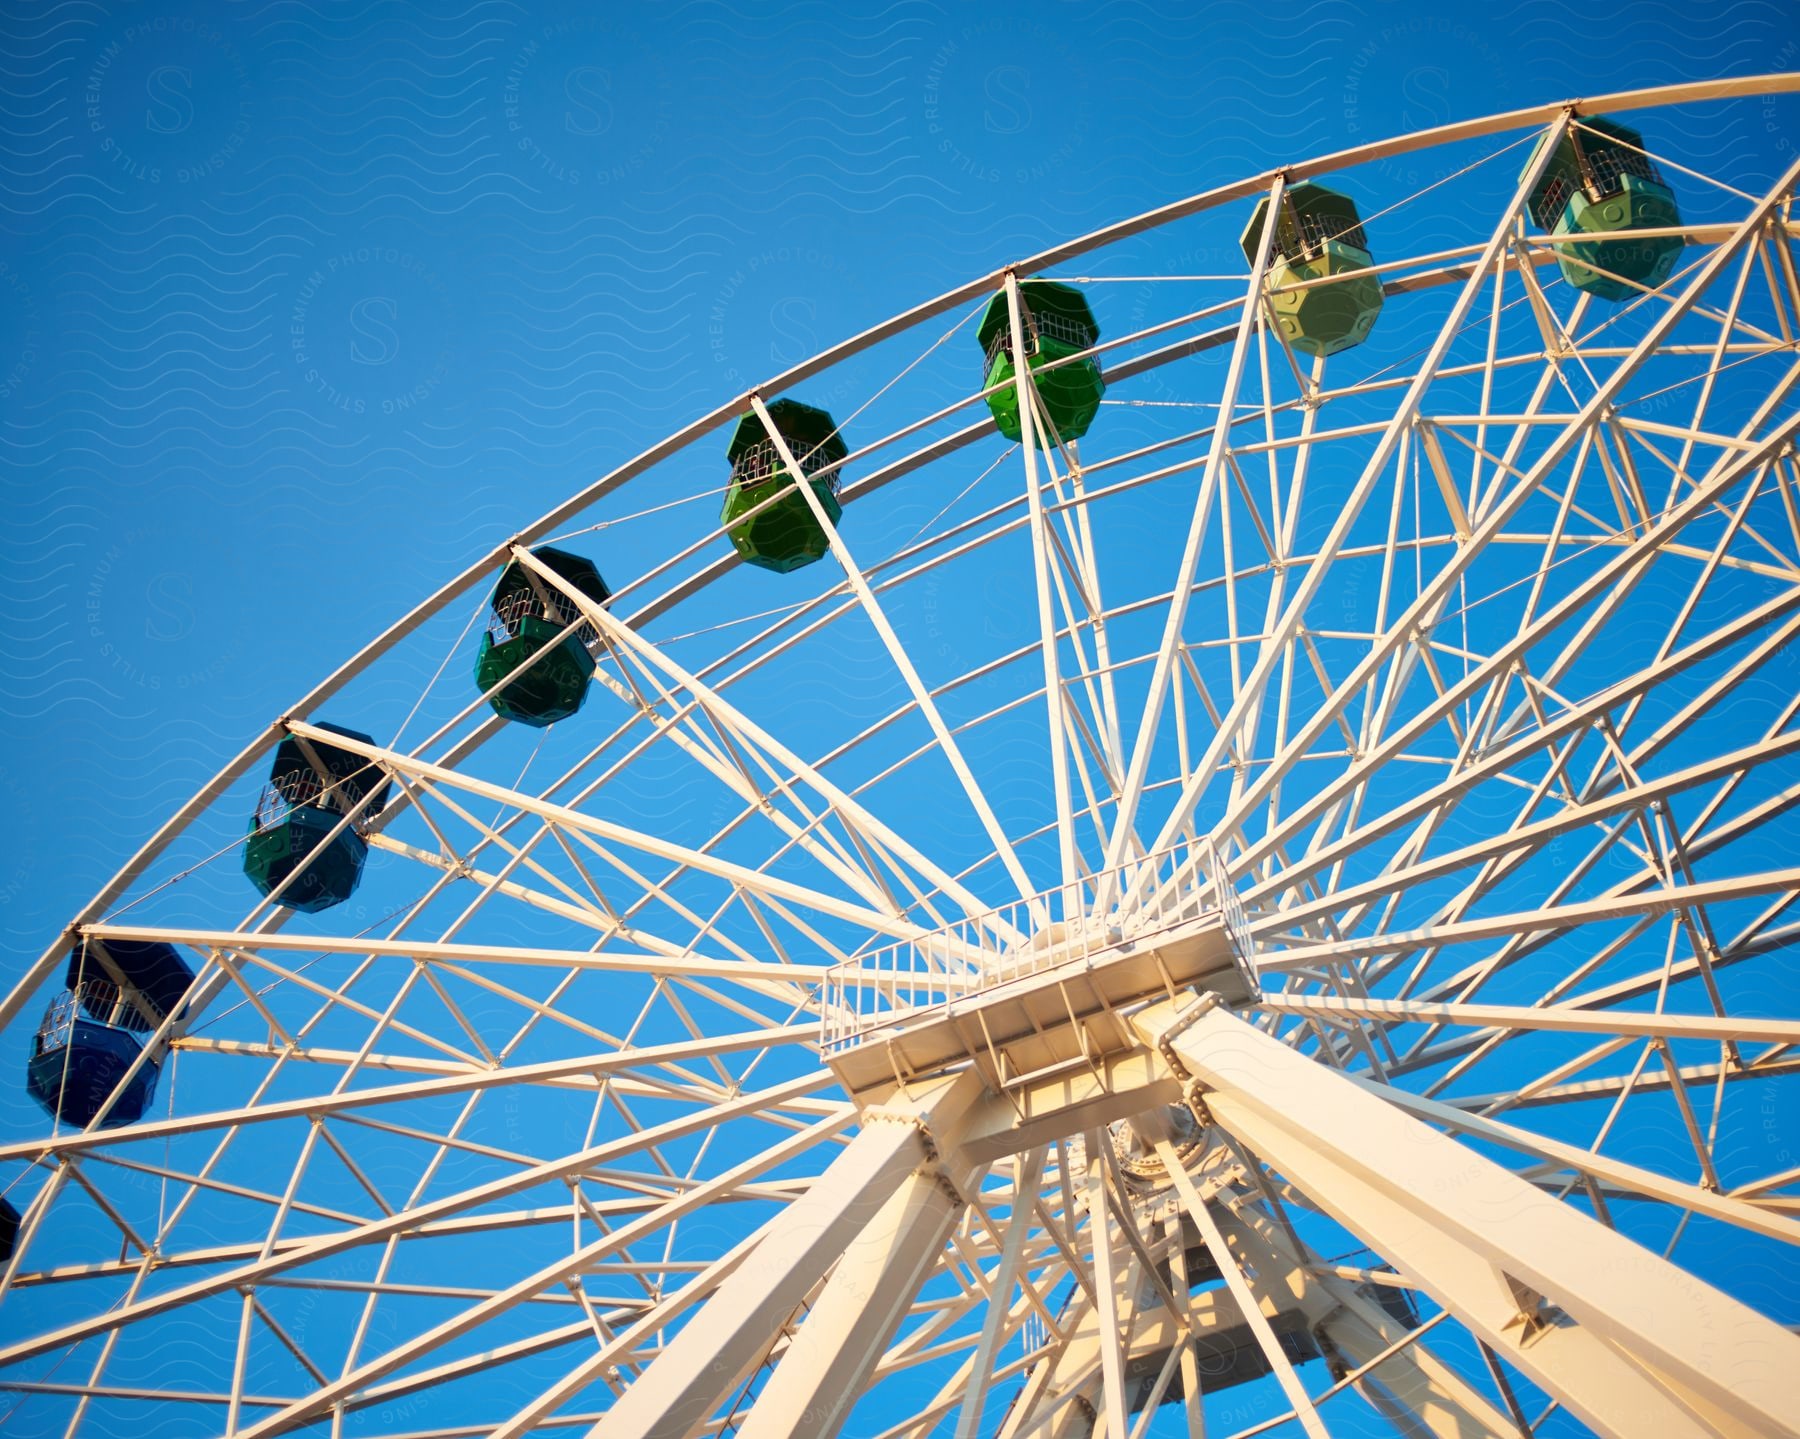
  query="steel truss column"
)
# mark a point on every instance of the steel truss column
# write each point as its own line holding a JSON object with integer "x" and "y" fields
{"x": 1626, "y": 1341}
{"x": 725, "y": 1340}
{"x": 828, "y": 1363}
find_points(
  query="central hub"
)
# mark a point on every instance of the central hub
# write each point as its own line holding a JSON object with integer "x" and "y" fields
{"x": 1051, "y": 1008}
{"x": 1139, "y": 1162}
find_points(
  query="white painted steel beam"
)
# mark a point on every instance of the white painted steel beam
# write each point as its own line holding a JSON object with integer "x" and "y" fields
{"x": 1537, "y": 1094}
{"x": 725, "y": 1340}
{"x": 611, "y": 1356}
{"x": 1724, "y": 478}
{"x": 1244, "y": 1290}
{"x": 1398, "y": 425}
{"x": 1505, "y": 757}
{"x": 686, "y": 963}
{"x": 1193, "y": 1398}
{"x": 1550, "y": 919}
{"x": 722, "y": 711}
{"x": 828, "y": 1363}
{"x": 584, "y": 1258}
{"x": 1109, "y": 1280}
{"x": 752, "y": 880}
{"x": 1496, "y": 516}
{"x": 1698, "y": 1198}
{"x": 1628, "y": 1342}
{"x": 1560, "y": 1017}
{"x": 1024, "y": 396}
{"x": 1028, "y": 1174}
{"x": 1640, "y": 795}
{"x": 1124, "y": 834}
{"x": 472, "y": 1081}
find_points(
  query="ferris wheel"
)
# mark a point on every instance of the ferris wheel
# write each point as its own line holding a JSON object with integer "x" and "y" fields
{"x": 1194, "y": 837}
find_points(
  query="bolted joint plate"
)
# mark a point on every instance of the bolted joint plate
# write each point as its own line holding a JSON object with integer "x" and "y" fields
{"x": 1185, "y": 1019}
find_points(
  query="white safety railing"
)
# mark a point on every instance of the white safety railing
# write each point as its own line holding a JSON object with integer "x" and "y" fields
{"x": 1231, "y": 903}
{"x": 1231, "y": 911}
{"x": 1053, "y": 927}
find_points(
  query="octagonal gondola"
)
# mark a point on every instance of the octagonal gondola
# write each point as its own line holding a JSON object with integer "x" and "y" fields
{"x": 769, "y": 521}
{"x": 306, "y": 846}
{"x": 1320, "y": 302}
{"x": 1599, "y": 181}
{"x": 1058, "y": 324}
{"x": 76, "y": 1064}
{"x": 543, "y": 670}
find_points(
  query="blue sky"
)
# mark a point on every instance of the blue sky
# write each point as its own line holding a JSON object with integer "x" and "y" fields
{"x": 305, "y": 307}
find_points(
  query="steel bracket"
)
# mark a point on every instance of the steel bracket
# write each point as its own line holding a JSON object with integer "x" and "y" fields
{"x": 1185, "y": 1019}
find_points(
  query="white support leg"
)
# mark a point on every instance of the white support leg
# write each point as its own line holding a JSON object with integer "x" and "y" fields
{"x": 724, "y": 1340}
{"x": 1626, "y": 1341}
{"x": 828, "y": 1364}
